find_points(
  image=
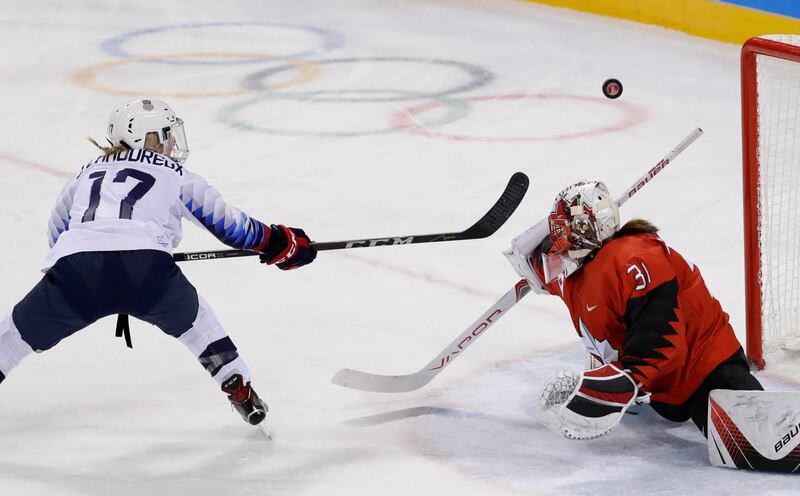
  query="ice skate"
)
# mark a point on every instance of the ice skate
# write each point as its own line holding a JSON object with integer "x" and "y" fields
{"x": 245, "y": 400}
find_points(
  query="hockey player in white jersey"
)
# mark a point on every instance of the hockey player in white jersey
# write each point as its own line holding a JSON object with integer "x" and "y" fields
{"x": 111, "y": 235}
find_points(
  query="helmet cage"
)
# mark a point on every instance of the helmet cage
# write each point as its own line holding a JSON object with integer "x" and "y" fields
{"x": 573, "y": 227}
{"x": 582, "y": 218}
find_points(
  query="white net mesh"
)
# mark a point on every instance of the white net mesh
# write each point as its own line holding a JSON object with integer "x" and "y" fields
{"x": 778, "y": 86}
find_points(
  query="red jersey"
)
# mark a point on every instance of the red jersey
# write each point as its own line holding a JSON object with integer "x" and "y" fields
{"x": 641, "y": 303}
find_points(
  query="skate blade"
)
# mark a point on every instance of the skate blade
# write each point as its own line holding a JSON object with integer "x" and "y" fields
{"x": 265, "y": 430}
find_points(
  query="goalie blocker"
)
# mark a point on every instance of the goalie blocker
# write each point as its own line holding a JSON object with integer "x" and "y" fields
{"x": 754, "y": 430}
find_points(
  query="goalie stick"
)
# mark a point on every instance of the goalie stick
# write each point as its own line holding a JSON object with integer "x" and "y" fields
{"x": 486, "y": 226}
{"x": 366, "y": 381}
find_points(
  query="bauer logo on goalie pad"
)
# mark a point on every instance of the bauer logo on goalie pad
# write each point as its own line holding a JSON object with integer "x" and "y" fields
{"x": 785, "y": 440}
{"x": 380, "y": 242}
{"x": 754, "y": 430}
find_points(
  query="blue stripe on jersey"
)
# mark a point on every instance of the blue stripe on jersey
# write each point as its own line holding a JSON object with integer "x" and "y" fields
{"x": 229, "y": 224}
{"x": 56, "y": 231}
{"x": 247, "y": 234}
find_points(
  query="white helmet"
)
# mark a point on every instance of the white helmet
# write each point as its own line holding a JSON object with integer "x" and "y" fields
{"x": 583, "y": 216}
{"x": 129, "y": 123}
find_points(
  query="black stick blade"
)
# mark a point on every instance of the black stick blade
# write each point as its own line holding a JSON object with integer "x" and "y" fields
{"x": 501, "y": 210}
{"x": 487, "y": 225}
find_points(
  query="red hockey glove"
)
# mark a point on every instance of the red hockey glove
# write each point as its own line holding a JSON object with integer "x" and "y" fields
{"x": 288, "y": 248}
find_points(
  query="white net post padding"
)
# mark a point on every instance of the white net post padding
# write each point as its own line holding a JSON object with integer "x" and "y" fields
{"x": 778, "y": 89}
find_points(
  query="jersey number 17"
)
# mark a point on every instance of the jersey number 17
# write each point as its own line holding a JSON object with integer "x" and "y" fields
{"x": 146, "y": 181}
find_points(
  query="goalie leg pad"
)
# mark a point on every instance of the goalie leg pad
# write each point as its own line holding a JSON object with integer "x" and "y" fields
{"x": 754, "y": 430}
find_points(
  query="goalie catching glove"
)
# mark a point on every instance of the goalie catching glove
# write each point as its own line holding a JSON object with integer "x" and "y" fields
{"x": 590, "y": 405}
{"x": 288, "y": 248}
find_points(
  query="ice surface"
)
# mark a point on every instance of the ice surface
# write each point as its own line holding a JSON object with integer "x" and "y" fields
{"x": 93, "y": 418}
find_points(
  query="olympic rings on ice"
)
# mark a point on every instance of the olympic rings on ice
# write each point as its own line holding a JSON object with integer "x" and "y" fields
{"x": 328, "y": 40}
{"x": 457, "y": 109}
{"x": 87, "y": 77}
{"x": 631, "y": 115}
{"x": 478, "y": 77}
{"x": 257, "y": 87}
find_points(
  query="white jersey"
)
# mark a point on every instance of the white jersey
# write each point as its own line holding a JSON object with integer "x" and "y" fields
{"x": 135, "y": 200}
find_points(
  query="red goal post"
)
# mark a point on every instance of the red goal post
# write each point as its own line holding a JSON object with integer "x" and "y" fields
{"x": 770, "y": 80}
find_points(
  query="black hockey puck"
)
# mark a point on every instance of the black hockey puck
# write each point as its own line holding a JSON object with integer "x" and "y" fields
{"x": 612, "y": 88}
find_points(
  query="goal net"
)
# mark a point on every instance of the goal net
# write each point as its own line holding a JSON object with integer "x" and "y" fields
{"x": 770, "y": 70}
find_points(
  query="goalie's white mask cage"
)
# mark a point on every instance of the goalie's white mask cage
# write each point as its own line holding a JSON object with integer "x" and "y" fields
{"x": 770, "y": 71}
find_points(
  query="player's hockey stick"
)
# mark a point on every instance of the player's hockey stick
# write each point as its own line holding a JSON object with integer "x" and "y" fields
{"x": 365, "y": 381}
{"x": 486, "y": 226}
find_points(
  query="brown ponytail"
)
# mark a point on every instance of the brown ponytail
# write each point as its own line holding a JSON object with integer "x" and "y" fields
{"x": 635, "y": 226}
{"x": 108, "y": 150}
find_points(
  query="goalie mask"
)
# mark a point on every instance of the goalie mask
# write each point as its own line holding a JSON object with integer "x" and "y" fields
{"x": 583, "y": 216}
{"x": 129, "y": 125}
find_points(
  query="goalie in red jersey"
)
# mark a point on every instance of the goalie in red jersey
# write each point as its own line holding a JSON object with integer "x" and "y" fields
{"x": 642, "y": 311}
